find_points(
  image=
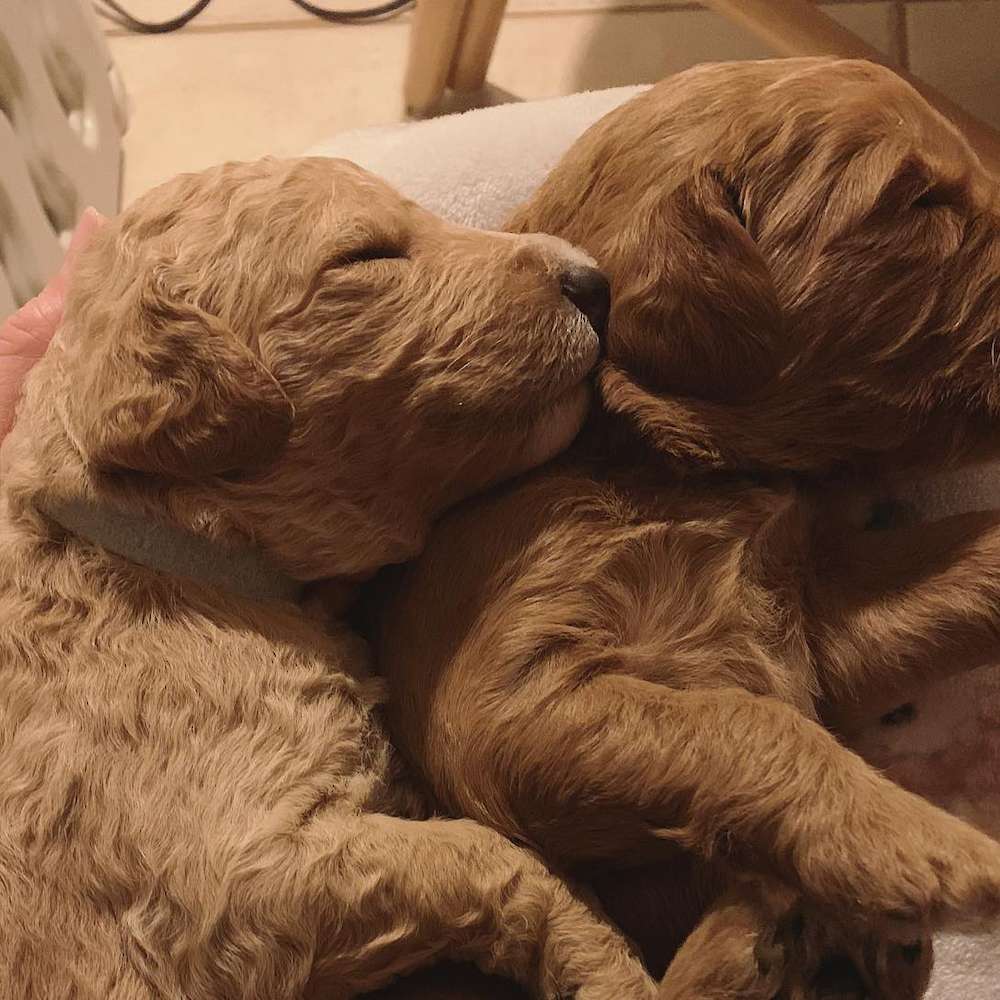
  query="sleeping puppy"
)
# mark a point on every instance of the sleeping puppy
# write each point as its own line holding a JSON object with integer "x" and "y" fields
{"x": 268, "y": 374}
{"x": 622, "y": 657}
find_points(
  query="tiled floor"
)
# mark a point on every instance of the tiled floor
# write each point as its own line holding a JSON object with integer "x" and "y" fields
{"x": 252, "y": 77}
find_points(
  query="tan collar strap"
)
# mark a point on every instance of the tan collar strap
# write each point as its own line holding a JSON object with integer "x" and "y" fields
{"x": 246, "y": 571}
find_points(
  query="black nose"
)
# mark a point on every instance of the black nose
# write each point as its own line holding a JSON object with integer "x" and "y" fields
{"x": 590, "y": 292}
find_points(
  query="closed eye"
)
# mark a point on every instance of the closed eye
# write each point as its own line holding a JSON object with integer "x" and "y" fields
{"x": 735, "y": 198}
{"x": 365, "y": 255}
{"x": 937, "y": 196}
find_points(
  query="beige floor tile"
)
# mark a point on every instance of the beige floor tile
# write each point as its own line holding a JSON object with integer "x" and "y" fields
{"x": 870, "y": 21}
{"x": 199, "y": 98}
{"x": 956, "y": 47}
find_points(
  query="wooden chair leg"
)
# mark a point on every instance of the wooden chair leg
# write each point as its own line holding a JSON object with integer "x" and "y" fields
{"x": 434, "y": 39}
{"x": 475, "y": 45}
{"x": 798, "y": 28}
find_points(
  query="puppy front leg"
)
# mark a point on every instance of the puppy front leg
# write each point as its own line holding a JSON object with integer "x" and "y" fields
{"x": 621, "y": 763}
{"x": 396, "y": 894}
{"x": 889, "y": 609}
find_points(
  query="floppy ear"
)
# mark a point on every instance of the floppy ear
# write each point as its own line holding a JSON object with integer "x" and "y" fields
{"x": 165, "y": 388}
{"x": 696, "y": 329}
{"x": 695, "y": 311}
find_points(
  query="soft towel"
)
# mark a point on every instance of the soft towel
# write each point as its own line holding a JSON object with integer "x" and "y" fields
{"x": 474, "y": 168}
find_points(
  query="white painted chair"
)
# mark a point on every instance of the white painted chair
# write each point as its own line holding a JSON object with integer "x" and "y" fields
{"x": 62, "y": 117}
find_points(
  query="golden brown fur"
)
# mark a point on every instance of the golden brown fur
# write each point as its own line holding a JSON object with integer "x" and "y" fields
{"x": 623, "y": 657}
{"x": 196, "y": 796}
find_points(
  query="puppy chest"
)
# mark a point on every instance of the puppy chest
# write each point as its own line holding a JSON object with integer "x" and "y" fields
{"x": 214, "y": 735}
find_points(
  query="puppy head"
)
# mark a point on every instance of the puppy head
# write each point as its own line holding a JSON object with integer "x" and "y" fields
{"x": 297, "y": 346}
{"x": 805, "y": 261}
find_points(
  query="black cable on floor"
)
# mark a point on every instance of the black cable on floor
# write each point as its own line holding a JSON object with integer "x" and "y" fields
{"x": 392, "y": 7}
{"x": 113, "y": 11}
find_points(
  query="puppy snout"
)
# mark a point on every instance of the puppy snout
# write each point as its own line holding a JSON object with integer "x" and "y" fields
{"x": 589, "y": 291}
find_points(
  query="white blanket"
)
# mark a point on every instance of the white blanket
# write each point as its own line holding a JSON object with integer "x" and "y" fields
{"x": 474, "y": 169}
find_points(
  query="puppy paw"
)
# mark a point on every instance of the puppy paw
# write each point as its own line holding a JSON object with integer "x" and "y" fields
{"x": 967, "y": 879}
{"x": 828, "y": 960}
{"x": 911, "y": 866}
{"x": 900, "y": 970}
{"x": 737, "y": 950}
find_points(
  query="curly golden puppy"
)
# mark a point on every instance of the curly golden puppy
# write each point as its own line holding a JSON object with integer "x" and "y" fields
{"x": 268, "y": 373}
{"x": 622, "y": 657}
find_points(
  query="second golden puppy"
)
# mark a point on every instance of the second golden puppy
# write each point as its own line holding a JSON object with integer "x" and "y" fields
{"x": 623, "y": 656}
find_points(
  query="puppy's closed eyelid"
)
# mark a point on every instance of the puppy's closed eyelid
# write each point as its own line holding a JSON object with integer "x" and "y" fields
{"x": 943, "y": 195}
{"x": 931, "y": 198}
{"x": 377, "y": 251}
{"x": 735, "y": 198}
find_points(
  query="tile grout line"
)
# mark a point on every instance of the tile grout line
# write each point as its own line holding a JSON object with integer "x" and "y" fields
{"x": 899, "y": 34}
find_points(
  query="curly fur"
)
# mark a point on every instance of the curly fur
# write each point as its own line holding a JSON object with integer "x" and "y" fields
{"x": 196, "y": 797}
{"x": 624, "y": 657}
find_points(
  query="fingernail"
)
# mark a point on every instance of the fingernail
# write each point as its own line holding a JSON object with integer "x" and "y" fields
{"x": 90, "y": 221}
{"x": 91, "y": 214}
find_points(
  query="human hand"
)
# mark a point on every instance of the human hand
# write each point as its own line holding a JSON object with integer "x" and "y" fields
{"x": 25, "y": 336}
